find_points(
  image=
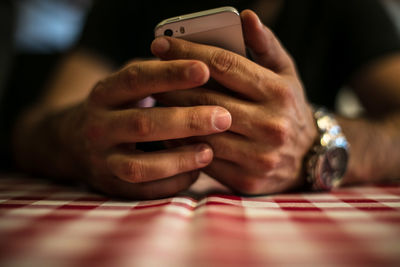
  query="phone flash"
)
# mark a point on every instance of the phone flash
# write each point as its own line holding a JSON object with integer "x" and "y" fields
{"x": 182, "y": 29}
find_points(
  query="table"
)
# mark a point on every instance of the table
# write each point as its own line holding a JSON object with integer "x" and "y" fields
{"x": 48, "y": 224}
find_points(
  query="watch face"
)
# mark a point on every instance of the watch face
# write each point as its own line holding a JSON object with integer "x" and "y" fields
{"x": 332, "y": 167}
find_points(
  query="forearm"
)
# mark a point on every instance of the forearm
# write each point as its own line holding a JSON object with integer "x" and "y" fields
{"x": 375, "y": 149}
{"x": 39, "y": 145}
{"x": 42, "y": 140}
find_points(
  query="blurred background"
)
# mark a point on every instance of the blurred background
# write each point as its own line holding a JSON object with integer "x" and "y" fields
{"x": 38, "y": 28}
{"x": 347, "y": 102}
{"x": 33, "y": 36}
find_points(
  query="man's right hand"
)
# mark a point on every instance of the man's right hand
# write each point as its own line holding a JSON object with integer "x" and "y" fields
{"x": 102, "y": 132}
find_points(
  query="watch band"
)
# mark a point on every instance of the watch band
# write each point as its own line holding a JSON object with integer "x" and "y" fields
{"x": 326, "y": 163}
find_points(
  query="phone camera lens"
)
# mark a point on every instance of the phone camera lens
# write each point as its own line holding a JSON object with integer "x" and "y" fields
{"x": 168, "y": 32}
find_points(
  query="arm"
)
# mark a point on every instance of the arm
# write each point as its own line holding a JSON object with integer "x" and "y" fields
{"x": 87, "y": 125}
{"x": 375, "y": 137}
{"x": 77, "y": 73}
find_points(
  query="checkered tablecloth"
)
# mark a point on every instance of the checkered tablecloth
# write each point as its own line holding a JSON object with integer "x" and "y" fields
{"x": 45, "y": 224}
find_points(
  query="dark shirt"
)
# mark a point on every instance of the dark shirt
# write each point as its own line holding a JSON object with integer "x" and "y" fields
{"x": 7, "y": 26}
{"x": 329, "y": 40}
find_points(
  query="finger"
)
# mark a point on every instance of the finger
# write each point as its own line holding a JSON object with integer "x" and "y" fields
{"x": 201, "y": 96}
{"x": 242, "y": 151}
{"x": 248, "y": 119}
{"x": 152, "y": 166}
{"x": 150, "y": 190}
{"x": 241, "y": 180}
{"x": 156, "y": 124}
{"x": 267, "y": 50}
{"x": 227, "y": 68}
{"x": 141, "y": 79}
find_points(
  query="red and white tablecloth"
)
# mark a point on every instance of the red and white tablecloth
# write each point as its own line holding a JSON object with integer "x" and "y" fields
{"x": 45, "y": 224}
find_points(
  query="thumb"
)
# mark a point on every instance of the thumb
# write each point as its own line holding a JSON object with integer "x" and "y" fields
{"x": 265, "y": 47}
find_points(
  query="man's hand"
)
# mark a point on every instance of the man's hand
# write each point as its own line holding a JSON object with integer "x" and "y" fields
{"x": 99, "y": 135}
{"x": 272, "y": 123}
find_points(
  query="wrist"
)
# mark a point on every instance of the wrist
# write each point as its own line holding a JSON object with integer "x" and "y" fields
{"x": 326, "y": 162}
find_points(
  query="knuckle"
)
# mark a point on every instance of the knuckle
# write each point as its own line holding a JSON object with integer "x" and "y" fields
{"x": 98, "y": 92}
{"x": 181, "y": 163}
{"x": 184, "y": 48}
{"x": 131, "y": 77}
{"x": 141, "y": 125}
{"x": 133, "y": 171}
{"x": 259, "y": 79}
{"x": 265, "y": 161}
{"x": 223, "y": 61}
{"x": 277, "y": 132}
{"x": 281, "y": 132}
{"x": 173, "y": 72}
{"x": 193, "y": 121}
{"x": 285, "y": 94}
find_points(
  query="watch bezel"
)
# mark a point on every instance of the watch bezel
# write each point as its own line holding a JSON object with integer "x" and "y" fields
{"x": 330, "y": 140}
{"x": 326, "y": 178}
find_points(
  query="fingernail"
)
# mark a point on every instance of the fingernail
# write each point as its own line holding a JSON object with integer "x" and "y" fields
{"x": 160, "y": 45}
{"x": 221, "y": 119}
{"x": 204, "y": 154}
{"x": 195, "y": 73}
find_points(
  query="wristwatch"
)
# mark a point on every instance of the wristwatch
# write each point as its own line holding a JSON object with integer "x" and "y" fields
{"x": 327, "y": 161}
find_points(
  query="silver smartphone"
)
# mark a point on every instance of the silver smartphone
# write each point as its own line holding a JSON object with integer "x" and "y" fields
{"x": 219, "y": 27}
